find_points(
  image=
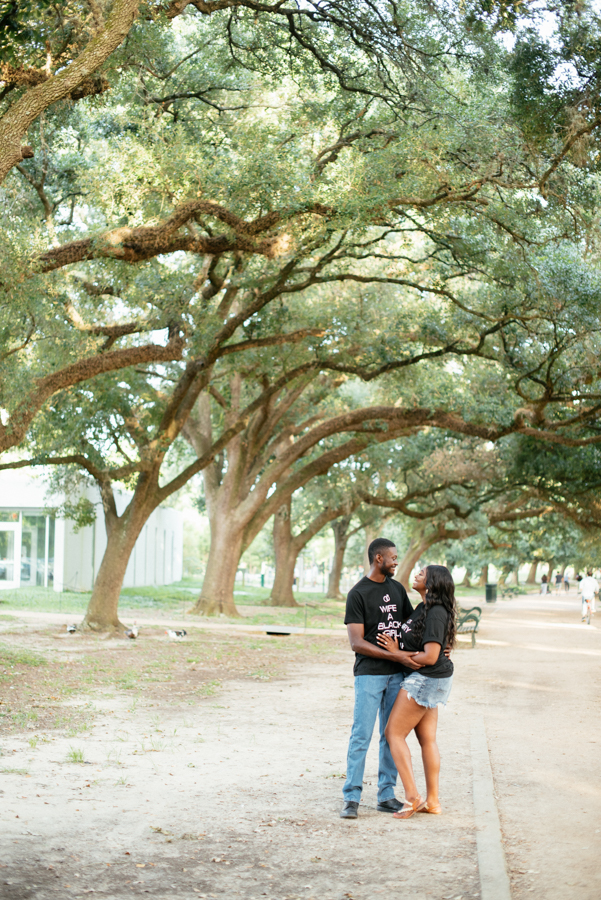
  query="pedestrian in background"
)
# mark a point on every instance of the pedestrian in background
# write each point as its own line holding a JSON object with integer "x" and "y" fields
{"x": 566, "y": 582}
{"x": 589, "y": 587}
{"x": 558, "y": 582}
{"x": 544, "y": 585}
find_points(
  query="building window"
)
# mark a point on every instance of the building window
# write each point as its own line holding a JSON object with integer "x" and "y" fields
{"x": 50, "y": 525}
{"x": 26, "y": 549}
{"x": 33, "y": 551}
{"x": 7, "y": 556}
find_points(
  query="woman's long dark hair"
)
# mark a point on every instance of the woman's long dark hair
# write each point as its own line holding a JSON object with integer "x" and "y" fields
{"x": 440, "y": 591}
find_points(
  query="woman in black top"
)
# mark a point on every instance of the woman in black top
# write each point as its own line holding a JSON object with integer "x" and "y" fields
{"x": 426, "y": 634}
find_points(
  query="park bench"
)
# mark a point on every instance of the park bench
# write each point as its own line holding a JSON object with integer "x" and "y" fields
{"x": 468, "y": 621}
{"x": 511, "y": 591}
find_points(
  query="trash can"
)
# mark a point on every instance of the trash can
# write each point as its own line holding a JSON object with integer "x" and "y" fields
{"x": 491, "y": 593}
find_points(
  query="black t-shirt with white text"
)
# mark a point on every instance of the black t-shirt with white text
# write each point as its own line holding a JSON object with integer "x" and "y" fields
{"x": 435, "y": 631}
{"x": 381, "y": 607}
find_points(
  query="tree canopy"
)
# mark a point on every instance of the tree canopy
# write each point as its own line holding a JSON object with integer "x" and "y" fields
{"x": 278, "y": 234}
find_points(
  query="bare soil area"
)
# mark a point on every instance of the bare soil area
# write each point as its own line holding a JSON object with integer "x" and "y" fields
{"x": 213, "y": 766}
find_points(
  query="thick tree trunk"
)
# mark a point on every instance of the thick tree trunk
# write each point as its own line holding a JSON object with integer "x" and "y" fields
{"x": 531, "y": 579}
{"x": 334, "y": 592}
{"x": 286, "y": 554}
{"x": 341, "y": 537}
{"x": 282, "y": 593}
{"x": 466, "y": 580}
{"x": 483, "y": 580}
{"x": 288, "y": 547}
{"x": 369, "y": 537}
{"x": 417, "y": 546}
{"x": 217, "y": 594}
{"x": 102, "y": 612}
{"x": 504, "y": 576}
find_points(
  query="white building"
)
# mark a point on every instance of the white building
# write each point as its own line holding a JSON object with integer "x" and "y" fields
{"x": 39, "y": 549}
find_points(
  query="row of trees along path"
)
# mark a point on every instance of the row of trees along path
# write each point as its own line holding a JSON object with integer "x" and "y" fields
{"x": 272, "y": 297}
{"x": 450, "y": 489}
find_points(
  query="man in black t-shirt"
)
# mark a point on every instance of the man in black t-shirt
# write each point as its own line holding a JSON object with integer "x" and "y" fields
{"x": 377, "y": 604}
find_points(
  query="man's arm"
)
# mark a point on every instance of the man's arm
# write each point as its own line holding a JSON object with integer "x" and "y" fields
{"x": 356, "y": 636}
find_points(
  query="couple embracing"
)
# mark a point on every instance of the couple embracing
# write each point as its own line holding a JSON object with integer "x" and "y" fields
{"x": 403, "y": 672}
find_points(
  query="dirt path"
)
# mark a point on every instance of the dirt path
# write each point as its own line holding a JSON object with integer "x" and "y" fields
{"x": 237, "y": 795}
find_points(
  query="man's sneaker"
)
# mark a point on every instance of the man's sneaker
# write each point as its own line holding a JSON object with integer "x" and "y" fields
{"x": 349, "y": 810}
{"x": 390, "y": 806}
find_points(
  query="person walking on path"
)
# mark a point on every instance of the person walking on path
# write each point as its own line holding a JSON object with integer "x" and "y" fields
{"x": 543, "y": 585}
{"x": 589, "y": 587}
{"x": 426, "y": 634}
{"x": 375, "y": 605}
{"x": 558, "y": 581}
{"x": 566, "y": 582}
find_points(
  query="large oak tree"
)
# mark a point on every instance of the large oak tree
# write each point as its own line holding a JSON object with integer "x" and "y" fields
{"x": 257, "y": 200}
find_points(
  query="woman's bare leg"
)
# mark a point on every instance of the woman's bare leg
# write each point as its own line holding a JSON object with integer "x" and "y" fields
{"x": 426, "y": 735}
{"x": 405, "y": 716}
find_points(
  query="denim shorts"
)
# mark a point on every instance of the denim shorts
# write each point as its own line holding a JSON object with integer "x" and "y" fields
{"x": 426, "y": 691}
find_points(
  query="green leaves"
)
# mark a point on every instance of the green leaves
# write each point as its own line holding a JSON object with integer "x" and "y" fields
{"x": 24, "y": 24}
{"x": 369, "y": 184}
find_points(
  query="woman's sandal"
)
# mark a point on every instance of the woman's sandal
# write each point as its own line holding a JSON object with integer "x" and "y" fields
{"x": 433, "y": 810}
{"x": 409, "y": 808}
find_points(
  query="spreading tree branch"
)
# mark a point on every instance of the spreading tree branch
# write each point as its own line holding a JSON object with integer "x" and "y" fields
{"x": 68, "y": 82}
{"x": 13, "y": 432}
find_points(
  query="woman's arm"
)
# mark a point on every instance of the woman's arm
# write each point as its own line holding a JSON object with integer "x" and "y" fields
{"x": 429, "y": 655}
{"x": 391, "y": 648}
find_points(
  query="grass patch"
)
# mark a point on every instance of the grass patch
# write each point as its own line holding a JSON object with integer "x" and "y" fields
{"x": 75, "y": 755}
{"x": 74, "y": 730}
{"x": 23, "y": 718}
{"x": 158, "y": 596}
{"x": 113, "y": 758}
{"x": 127, "y": 681}
{"x": 178, "y": 598}
{"x": 45, "y": 600}
{"x": 19, "y": 657}
{"x": 11, "y": 771}
{"x": 207, "y": 690}
{"x": 261, "y": 674}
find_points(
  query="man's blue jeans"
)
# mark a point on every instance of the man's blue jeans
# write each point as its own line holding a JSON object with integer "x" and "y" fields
{"x": 373, "y": 694}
